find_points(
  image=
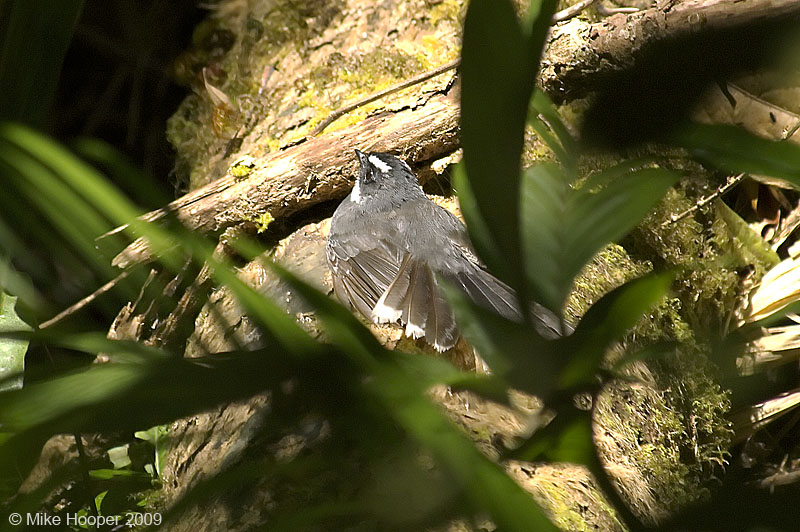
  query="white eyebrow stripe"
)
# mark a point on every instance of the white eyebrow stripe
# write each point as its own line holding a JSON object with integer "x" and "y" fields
{"x": 380, "y": 165}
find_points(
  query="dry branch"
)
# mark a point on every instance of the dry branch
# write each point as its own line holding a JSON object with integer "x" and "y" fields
{"x": 318, "y": 170}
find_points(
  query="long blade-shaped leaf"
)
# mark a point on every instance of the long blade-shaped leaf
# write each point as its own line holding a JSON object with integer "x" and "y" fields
{"x": 514, "y": 351}
{"x": 34, "y": 36}
{"x": 734, "y": 149}
{"x": 607, "y": 321}
{"x": 564, "y": 228}
{"x": 484, "y": 482}
{"x": 495, "y": 91}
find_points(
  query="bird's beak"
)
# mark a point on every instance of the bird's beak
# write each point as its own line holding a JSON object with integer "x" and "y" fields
{"x": 362, "y": 157}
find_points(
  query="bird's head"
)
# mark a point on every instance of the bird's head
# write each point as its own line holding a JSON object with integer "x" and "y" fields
{"x": 383, "y": 173}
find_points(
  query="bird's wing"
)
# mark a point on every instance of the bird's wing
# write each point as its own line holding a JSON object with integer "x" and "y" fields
{"x": 395, "y": 277}
{"x": 362, "y": 270}
{"x": 386, "y": 284}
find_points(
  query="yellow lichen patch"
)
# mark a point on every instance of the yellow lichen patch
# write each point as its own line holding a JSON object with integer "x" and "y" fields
{"x": 262, "y": 221}
{"x": 243, "y": 167}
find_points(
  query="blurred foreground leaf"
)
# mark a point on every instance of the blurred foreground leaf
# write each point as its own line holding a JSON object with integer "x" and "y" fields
{"x": 734, "y": 150}
{"x": 34, "y": 37}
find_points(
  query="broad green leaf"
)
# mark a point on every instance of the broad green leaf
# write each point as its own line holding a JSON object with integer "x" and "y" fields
{"x": 12, "y": 350}
{"x": 98, "y": 501}
{"x": 746, "y": 235}
{"x": 733, "y": 149}
{"x": 119, "y": 456}
{"x": 597, "y": 219}
{"x": 545, "y": 202}
{"x": 536, "y": 24}
{"x": 607, "y": 321}
{"x": 479, "y": 232}
{"x": 564, "y": 228}
{"x": 158, "y": 437}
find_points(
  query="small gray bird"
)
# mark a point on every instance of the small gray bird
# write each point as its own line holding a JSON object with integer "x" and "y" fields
{"x": 388, "y": 246}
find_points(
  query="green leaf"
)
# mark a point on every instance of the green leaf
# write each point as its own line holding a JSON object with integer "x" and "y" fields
{"x": 80, "y": 201}
{"x": 42, "y": 402}
{"x": 98, "y": 501}
{"x": 495, "y": 89}
{"x": 514, "y": 351}
{"x": 275, "y": 322}
{"x": 607, "y": 321}
{"x": 130, "y": 178}
{"x": 499, "y": 62}
{"x": 157, "y": 436}
{"x": 567, "y": 438}
{"x": 564, "y": 228}
{"x": 400, "y": 393}
{"x": 12, "y": 350}
{"x": 547, "y": 123}
{"x": 734, "y": 150}
{"x": 110, "y": 474}
{"x": 479, "y": 232}
{"x": 536, "y": 24}
{"x": 484, "y": 482}
{"x": 751, "y": 240}
{"x": 342, "y": 327}
{"x": 427, "y": 371}
{"x": 544, "y": 198}
{"x": 119, "y": 456}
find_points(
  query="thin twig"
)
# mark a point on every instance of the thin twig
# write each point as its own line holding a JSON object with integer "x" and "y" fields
{"x": 722, "y": 189}
{"x": 85, "y": 301}
{"x": 380, "y": 94}
{"x": 571, "y": 11}
{"x": 790, "y": 222}
{"x": 608, "y": 11}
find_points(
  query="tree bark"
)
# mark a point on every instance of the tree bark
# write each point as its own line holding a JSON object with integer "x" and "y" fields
{"x": 317, "y": 170}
